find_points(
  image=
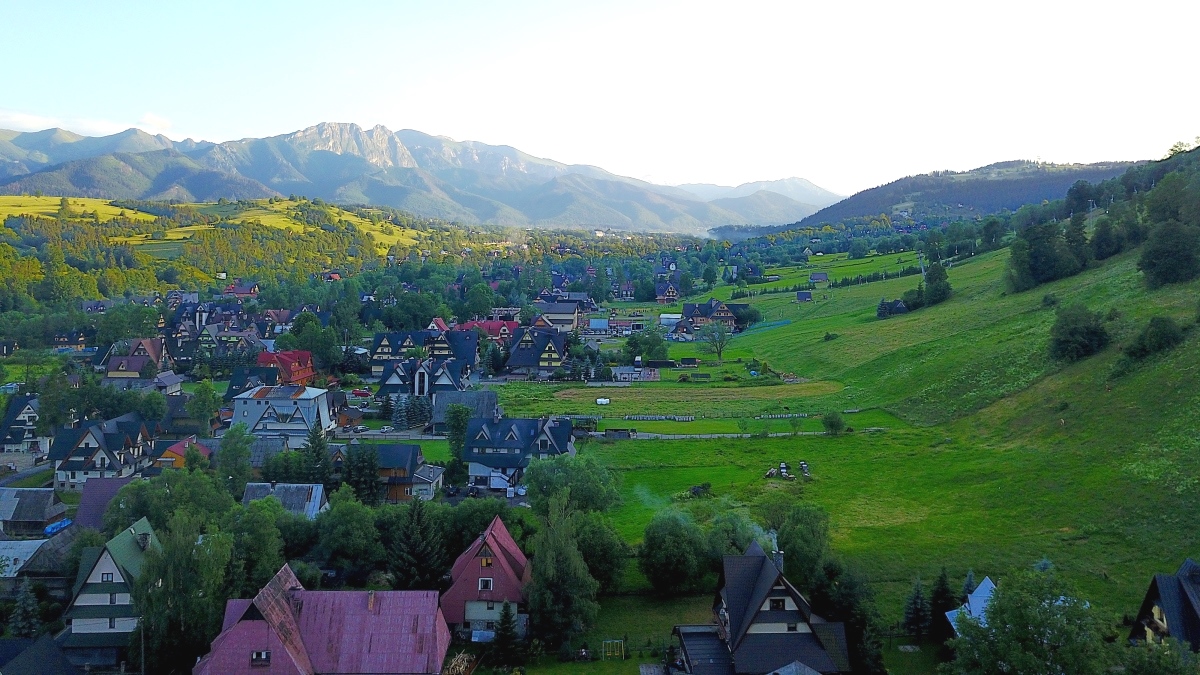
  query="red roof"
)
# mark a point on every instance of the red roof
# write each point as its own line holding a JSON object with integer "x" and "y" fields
{"x": 295, "y": 367}
{"x": 330, "y": 631}
{"x": 494, "y": 329}
{"x": 508, "y": 572}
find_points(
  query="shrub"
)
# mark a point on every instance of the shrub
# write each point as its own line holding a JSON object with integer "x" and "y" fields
{"x": 1049, "y": 300}
{"x": 1161, "y": 334}
{"x": 831, "y": 336}
{"x": 833, "y": 423}
{"x": 685, "y": 378}
{"x": 1077, "y": 333}
{"x": 1171, "y": 255}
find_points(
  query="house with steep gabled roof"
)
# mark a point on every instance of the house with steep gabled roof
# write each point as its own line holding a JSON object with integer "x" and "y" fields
{"x": 492, "y": 571}
{"x": 818, "y": 278}
{"x": 287, "y": 629}
{"x": 562, "y": 316}
{"x": 666, "y": 293}
{"x": 26, "y": 512}
{"x": 499, "y": 449}
{"x": 536, "y": 352}
{"x": 112, "y": 448}
{"x": 701, "y": 313}
{"x": 94, "y": 499}
{"x": 287, "y": 410}
{"x": 102, "y": 614}
{"x": 396, "y": 346}
{"x": 976, "y": 605}
{"x": 18, "y": 430}
{"x": 1171, "y": 608}
{"x": 762, "y": 624}
{"x": 497, "y": 331}
{"x": 295, "y": 366}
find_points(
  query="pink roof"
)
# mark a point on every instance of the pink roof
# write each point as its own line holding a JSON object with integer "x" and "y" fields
{"x": 508, "y": 572}
{"x": 492, "y": 328}
{"x": 330, "y": 631}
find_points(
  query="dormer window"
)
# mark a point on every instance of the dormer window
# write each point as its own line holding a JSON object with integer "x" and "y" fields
{"x": 777, "y": 604}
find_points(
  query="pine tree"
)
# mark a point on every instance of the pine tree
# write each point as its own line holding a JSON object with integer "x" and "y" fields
{"x": 26, "y": 620}
{"x": 414, "y": 411}
{"x": 400, "y": 414}
{"x": 386, "y": 408}
{"x": 941, "y": 600}
{"x": 426, "y": 410}
{"x": 917, "y": 611}
{"x": 968, "y": 586}
{"x": 361, "y": 472}
{"x": 417, "y": 559}
{"x": 317, "y": 467}
{"x": 506, "y": 651}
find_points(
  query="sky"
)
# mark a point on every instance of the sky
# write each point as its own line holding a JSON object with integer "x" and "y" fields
{"x": 846, "y": 94}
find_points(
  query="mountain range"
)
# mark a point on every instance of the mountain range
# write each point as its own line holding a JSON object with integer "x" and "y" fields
{"x": 431, "y": 176}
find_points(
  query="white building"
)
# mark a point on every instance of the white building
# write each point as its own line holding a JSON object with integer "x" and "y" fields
{"x": 290, "y": 410}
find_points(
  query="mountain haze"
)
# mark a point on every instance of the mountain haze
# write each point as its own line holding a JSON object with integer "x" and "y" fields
{"x": 431, "y": 176}
{"x": 798, "y": 189}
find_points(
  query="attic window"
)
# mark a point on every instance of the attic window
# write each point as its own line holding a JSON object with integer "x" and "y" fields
{"x": 485, "y": 562}
{"x": 777, "y": 604}
{"x": 260, "y": 659}
{"x": 106, "y": 577}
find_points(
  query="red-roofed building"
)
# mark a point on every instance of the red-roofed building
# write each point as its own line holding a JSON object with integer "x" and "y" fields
{"x": 286, "y": 629}
{"x": 497, "y": 331}
{"x": 438, "y": 324}
{"x": 295, "y": 367}
{"x": 242, "y": 291}
{"x": 491, "y": 571}
{"x": 174, "y": 454}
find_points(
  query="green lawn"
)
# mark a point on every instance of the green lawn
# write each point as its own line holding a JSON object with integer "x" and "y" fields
{"x": 38, "y": 479}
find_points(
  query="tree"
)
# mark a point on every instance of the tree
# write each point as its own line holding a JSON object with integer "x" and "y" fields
{"x": 937, "y": 284}
{"x": 152, "y": 406}
{"x": 1077, "y": 333}
{"x": 1170, "y": 657}
{"x": 795, "y": 422}
{"x": 181, "y": 592}
{"x": 941, "y": 600}
{"x": 1171, "y": 254}
{"x": 917, "y": 612}
{"x": 416, "y": 558}
{"x": 25, "y": 621}
{"x": 257, "y": 545}
{"x": 1159, "y": 335}
{"x": 360, "y": 471}
{"x": 710, "y": 276}
{"x": 859, "y": 248}
{"x": 833, "y": 422}
{"x": 561, "y": 594}
{"x": 583, "y": 482}
{"x": 804, "y": 539}
{"x": 506, "y": 648}
{"x": 284, "y": 467}
{"x": 1035, "y": 624}
{"x": 604, "y": 550}
{"x": 841, "y": 594}
{"x": 204, "y": 405}
{"x": 729, "y": 533}
{"x": 713, "y": 338}
{"x": 1107, "y": 240}
{"x": 672, "y": 554}
{"x": 1076, "y": 238}
{"x": 317, "y": 464}
{"x": 233, "y": 460}
{"x": 347, "y": 536}
{"x": 968, "y": 587}
{"x": 458, "y": 416}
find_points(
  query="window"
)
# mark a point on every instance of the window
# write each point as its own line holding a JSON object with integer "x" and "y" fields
{"x": 485, "y": 562}
{"x": 491, "y": 625}
{"x": 491, "y": 606}
{"x": 260, "y": 659}
{"x": 112, "y": 598}
{"x": 791, "y": 628}
{"x": 776, "y": 604}
{"x": 112, "y": 623}
{"x": 485, "y": 584}
{"x": 106, "y": 577}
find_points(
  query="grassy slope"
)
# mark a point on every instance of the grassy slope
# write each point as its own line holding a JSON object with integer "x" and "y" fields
{"x": 1005, "y": 458}
{"x": 48, "y": 206}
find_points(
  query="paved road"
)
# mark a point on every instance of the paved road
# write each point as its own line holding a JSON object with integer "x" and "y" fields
{"x": 12, "y": 478}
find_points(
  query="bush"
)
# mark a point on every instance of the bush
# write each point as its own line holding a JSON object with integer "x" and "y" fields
{"x": 1171, "y": 255}
{"x": 1049, "y": 300}
{"x": 831, "y": 336}
{"x": 833, "y": 423}
{"x": 1161, "y": 334}
{"x": 685, "y": 378}
{"x": 1077, "y": 333}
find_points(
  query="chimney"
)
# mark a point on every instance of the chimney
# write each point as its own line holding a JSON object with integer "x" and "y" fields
{"x": 143, "y": 540}
{"x": 370, "y": 601}
{"x": 777, "y": 558}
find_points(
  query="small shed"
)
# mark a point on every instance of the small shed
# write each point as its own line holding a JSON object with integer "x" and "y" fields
{"x": 804, "y": 296}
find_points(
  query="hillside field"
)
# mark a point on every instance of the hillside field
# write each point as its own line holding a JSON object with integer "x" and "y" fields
{"x": 15, "y": 205}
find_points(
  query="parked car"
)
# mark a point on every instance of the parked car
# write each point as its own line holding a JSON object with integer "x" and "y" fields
{"x": 387, "y": 430}
{"x": 361, "y": 428}
{"x": 451, "y": 490}
{"x": 346, "y": 429}
{"x": 361, "y": 392}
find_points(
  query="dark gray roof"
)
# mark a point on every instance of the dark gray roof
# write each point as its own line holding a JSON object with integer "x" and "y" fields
{"x": 399, "y": 456}
{"x": 528, "y": 356}
{"x": 1179, "y": 596}
{"x": 764, "y": 652}
{"x": 43, "y": 657}
{"x": 482, "y": 403}
{"x": 30, "y": 505}
{"x": 513, "y": 434}
{"x": 706, "y": 651}
{"x": 11, "y": 647}
{"x": 95, "y": 498}
{"x": 299, "y": 498}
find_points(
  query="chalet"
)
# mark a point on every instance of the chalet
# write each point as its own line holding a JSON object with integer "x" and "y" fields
{"x": 245, "y": 378}
{"x": 242, "y": 291}
{"x": 288, "y": 629}
{"x": 565, "y": 317}
{"x": 74, "y": 341}
{"x": 96, "y": 306}
{"x": 173, "y": 454}
{"x": 625, "y": 292}
{"x": 703, "y": 313}
{"x": 397, "y": 347}
{"x": 889, "y": 308}
{"x": 492, "y": 571}
{"x": 18, "y": 430}
{"x": 437, "y": 324}
{"x": 976, "y": 605}
{"x": 412, "y": 377}
{"x": 102, "y": 615}
{"x": 536, "y": 352}
{"x": 299, "y": 499}
{"x": 404, "y": 473}
{"x": 26, "y": 512}
{"x": 482, "y": 404}
{"x": 295, "y": 367}
{"x": 804, "y": 296}
{"x": 666, "y": 293}
{"x": 112, "y": 448}
{"x": 499, "y": 332}
{"x": 38, "y": 560}
{"x": 462, "y": 346}
{"x": 763, "y": 625}
{"x": 287, "y": 410}
{"x": 1171, "y": 608}
{"x": 818, "y": 278}
{"x": 499, "y": 449}
{"x": 154, "y": 349}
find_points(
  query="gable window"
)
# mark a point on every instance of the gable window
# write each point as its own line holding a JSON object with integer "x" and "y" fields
{"x": 485, "y": 583}
{"x": 485, "y": 562}
{"x": 791, "y": 628}
{"x": 260, "y": 659}
{"x": 106, "y": 577}
{"x": 777, "y": 604}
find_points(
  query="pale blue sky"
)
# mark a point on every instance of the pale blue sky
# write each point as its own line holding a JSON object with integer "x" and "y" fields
{"x": 848, "y": 95}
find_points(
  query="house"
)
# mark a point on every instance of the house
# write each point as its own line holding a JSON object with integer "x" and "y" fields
{"x": 248, "y": 377}
{"x": 154, "y": 348}
{"x": 295, "y": 366}
{"x": 703, "y": 313}
{"x": 634, "y": 374}
{"x": 102, "y": 613}
{"x": 625, "y": 292}
{"x": 242, "y": 291}
{"x": 536, "y": 352}
{"x": 26, "y": 512}
{"x": 404, "y": 473}
{"x": 128, "y": 366}
{"x": 287, "y": 629}
{"x": 763, "y": 624}
{"x": 804, "y": 296}
{"x": 818, "y": 278}
{"x": 499, "y": 332}
{"x": 490, "y": 572}
{"x": 73, "y": 341}
{"x": 94, "y": 499}
{"x": 18, "y": 430}
{"x": 666, "y": 293}
{"x": 396, "y": 347}
{"x": 1171, "y": 608}
{"x": 173, "y": 454}
{"x": 975, "y": 606}
{"x": 112, "y": 448}
{"x": 683, "y": 330}
{"x": 482, "y": 404}
{"x": 300, "y": 499}
{"x": 888, "y": 308}
{"x": 498, "y": 449}
{"x": 43, "y": 561}
{"x": 565, "y": 317}
{"x": 414, "y": 377}
{"x": 286, "y": 410}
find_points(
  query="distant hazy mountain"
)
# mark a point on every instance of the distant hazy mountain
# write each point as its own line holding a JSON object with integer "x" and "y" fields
{"x": 798, "y": 189}
{"x": 428, "y": 175}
